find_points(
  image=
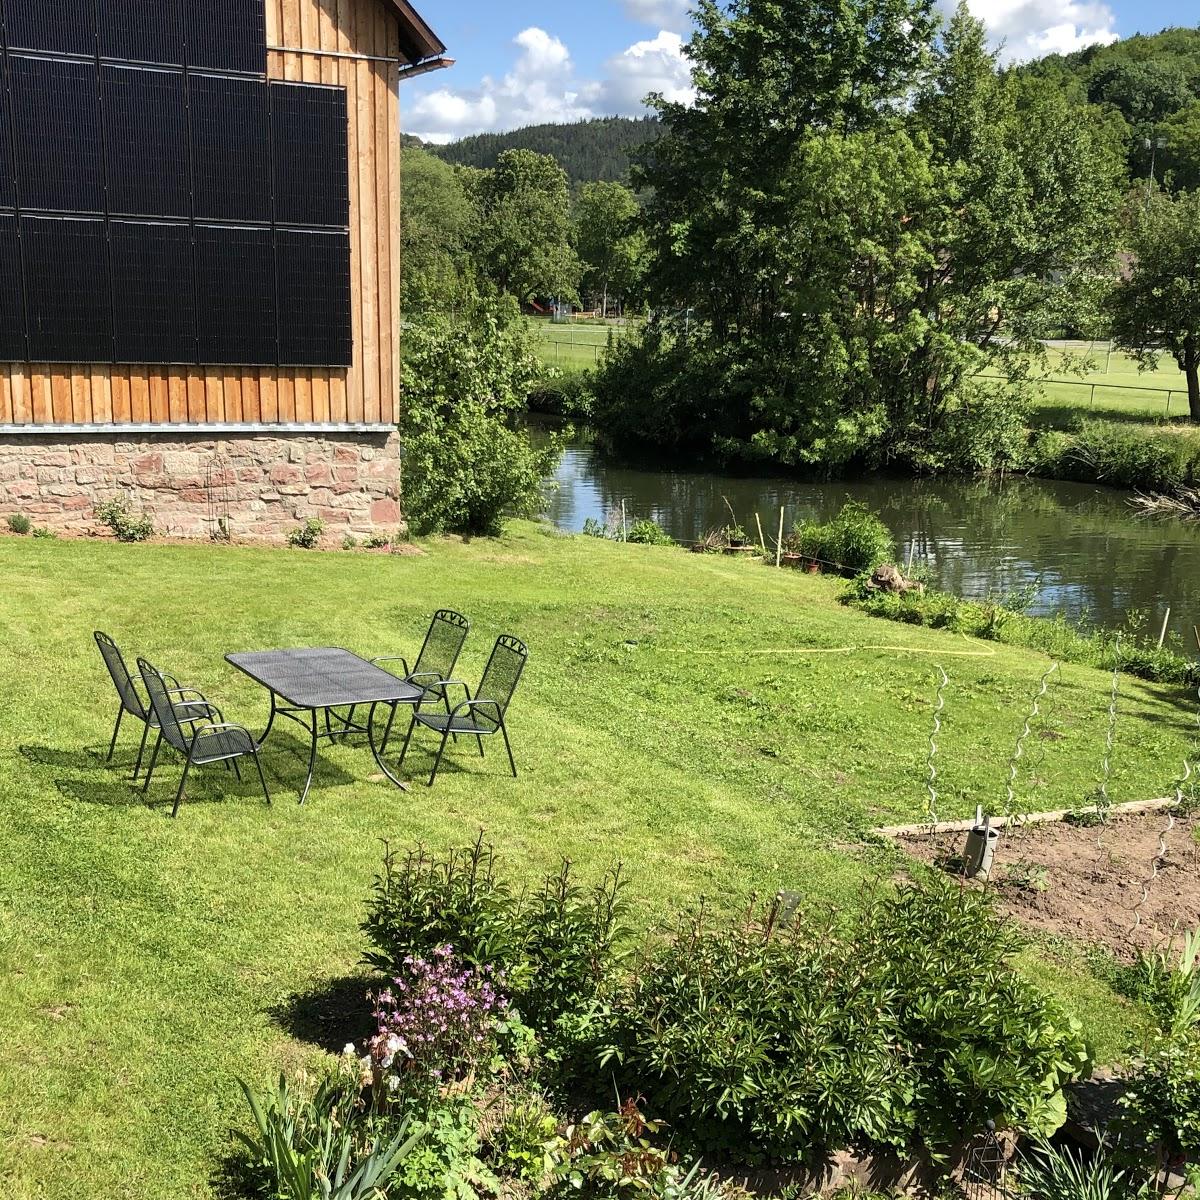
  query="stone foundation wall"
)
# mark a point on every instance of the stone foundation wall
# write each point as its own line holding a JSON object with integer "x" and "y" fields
{"x": 259, "y": 486}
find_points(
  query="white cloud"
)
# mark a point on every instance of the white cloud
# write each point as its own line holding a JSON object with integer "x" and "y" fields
{"x": 542, "y": 86}
{"x": 1031, "y": 28}
{"x": 671, "y": 15}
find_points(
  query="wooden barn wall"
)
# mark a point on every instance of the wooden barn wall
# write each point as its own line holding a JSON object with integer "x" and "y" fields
{"x": 366, "y": 392}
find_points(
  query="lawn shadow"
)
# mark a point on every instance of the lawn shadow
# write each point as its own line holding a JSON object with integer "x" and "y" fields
{"x": 111, "y": 795}
{"x": 331, "y": 1015}
{"x": 84, "y": 758}
{"x": 236, "y": 1176}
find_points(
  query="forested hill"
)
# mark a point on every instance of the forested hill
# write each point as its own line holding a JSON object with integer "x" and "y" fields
{"x": 586, "y": 150}
{"x": 1148, "y": 86}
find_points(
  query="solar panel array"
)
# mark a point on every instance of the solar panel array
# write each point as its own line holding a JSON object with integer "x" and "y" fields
{"x": 161, "y": 201}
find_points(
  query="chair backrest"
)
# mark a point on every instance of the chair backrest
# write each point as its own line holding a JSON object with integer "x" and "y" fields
{"x": 162, "y": 705}
{"x": 501, "y": 675}
{"x": 114, "y": 660}
{"x": 443, "y": 643}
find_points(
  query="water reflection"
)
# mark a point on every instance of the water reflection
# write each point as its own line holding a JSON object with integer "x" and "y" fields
{"x": 1091, "y": 554}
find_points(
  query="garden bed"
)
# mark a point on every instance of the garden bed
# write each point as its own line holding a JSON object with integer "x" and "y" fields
{"x": 1083, "y": 882}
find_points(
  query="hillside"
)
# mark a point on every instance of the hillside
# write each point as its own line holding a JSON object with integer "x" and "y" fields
{"x": 1146, "y": 86}
{"x": 587, "y": 150}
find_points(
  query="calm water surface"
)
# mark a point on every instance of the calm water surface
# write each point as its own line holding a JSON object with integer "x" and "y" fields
{"x": 979, "y": 538}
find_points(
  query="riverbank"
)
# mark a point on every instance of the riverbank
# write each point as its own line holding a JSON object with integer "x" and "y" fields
{"x": 718, "y": 726}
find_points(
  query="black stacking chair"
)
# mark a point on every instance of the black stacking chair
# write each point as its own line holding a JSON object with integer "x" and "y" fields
{"x": 187, "y": 711}
{"x": 434, "y": 667}
{"x": 484, "y": 714}
{"x": 200, "y": 744}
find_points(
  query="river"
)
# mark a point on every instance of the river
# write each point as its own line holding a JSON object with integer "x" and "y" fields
{"x": 1091, "y": 554}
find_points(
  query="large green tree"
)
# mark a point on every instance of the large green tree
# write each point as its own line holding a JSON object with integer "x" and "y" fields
{"x": 523, "y": 241}
{"x": 1156, "y": 308}
{"x": 438, "y": 229}
{"x": 845, "y": 258}
{"x": 610, "y": 245}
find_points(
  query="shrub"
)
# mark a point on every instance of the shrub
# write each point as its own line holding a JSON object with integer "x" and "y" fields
{"x": 526, "y": 1141}
{"x": 466, "y": 464}
{"x": 569, "y": 394}
{"x": 1161, "y": 1104}
{"x": 349, "y": 542}
{"x": 378, "y": 541}
{"x": 119, "y": 516}
{"x": 308, "y": 535}
{"x": 446, "y": 1164}
{"x": 780, "y": 1038}
{"x": 323, "y": 1146}
{"x": 556, "y": 946}
{"x": 855, "y": 540}
{"x": 649, "y": 533}
{"x": 19, "y": 523}
{"x": 1119, "y": 454}
{"x": 41, "y": 532}
{"x": 435, "y": 1023}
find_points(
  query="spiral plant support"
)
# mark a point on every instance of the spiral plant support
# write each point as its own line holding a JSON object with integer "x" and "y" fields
{"x": 1019, "y": 750}
{"x": 1160, "y": 857}
{"x": 931, "y": 812}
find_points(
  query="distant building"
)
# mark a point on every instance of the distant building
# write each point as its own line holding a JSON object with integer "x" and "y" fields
{"x": 200, "y": 259}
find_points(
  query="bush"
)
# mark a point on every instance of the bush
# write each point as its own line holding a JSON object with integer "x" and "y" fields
{"x": 323, "y": 1146}
{"x": 19, "y": 523}
{"x": 119, "y": 516}
{"x": 1161, "y": 1104}
{"x": 308, "y": 535}
{"x": 855, "y": 540}
{"x": 649, "y": 533}
{"x": 41, "y": 532}
{"x": 1003, "y": 620}
{"x": 569, "y": 394}
{"x": 555, "y": 947}
{"x": 779, "y": 1038}
{"x": 1119, "y": 454}
{"x": 466, "y": 465}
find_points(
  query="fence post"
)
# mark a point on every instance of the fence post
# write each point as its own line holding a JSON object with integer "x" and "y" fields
{"x": 779, "y": 544}
{"x": 1093, "y": 397}
{"x": 1170, "y": 393}
{"x": 1162, "y": 637}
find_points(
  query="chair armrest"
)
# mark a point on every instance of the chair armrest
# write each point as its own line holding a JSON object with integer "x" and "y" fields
{"x": 216, "y": 727}
{"x": 209, "y": 709}
{"x": 467, "y": 705}
{"x": 439, "y": 684}
{"x": 392, "y": 658}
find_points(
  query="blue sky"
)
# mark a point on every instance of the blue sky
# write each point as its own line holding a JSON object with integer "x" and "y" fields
{"x": 521, "y": 63}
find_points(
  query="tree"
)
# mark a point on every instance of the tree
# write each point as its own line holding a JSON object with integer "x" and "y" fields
{"x": 523, "y": 242}
{"x": 465, "y": 378}
{"x": 1180, "y": 158}
{"x": 438, "y": 229}
{"x": 1156, "y": 309}
{"x": 607, "y": 240}
{"x": 845, "y": 264}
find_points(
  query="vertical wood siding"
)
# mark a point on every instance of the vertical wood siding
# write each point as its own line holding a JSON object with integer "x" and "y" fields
{"x": 368, "y": 391}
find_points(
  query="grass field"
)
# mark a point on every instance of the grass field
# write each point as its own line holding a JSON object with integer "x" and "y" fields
{"x": 718, "y": 726}
{"x": 1111, "y": 387}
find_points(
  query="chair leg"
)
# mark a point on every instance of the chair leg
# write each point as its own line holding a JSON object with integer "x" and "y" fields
{"x": 153, "y": 760}
{"x": 116, "y": 729}
{"x": 187, "y": 766}
{"x": 437, "y": 762}
{"x": 480, "y": 741}
{"x": 507, "y": 745}
{"x": 236, "y": 769}
{"x": 137, "y": 766}
{"x": 262, "y": 777}
{"x": 407, "y": 737}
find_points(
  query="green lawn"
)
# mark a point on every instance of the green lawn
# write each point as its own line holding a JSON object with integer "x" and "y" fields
{"x": 718, "y": 726}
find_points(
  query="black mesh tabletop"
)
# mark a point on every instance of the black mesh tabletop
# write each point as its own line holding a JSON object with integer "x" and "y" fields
{"x": 323, "y": 678}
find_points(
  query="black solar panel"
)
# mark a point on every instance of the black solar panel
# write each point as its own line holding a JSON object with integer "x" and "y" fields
{"x": 67, "y": 290}
{"x": 309, "y": 131}
{"x": 12, "y": 304}
{"x": 227, "y": 35}
{"x": 57, "y": 123}
{"x": 154, "y": 286}
{"x": 235, "y": 276}
{"x": 146, "y": 31}
{"x": 145, "y": 142}
{"x": 8, "y": 194}
{"x": 314, "y": 298}
{"x": 57, "y": 26}
{"x": 231, "y": 149}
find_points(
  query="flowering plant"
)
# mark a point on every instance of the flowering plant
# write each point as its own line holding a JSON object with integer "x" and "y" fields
{"x": 435, "y": 1023}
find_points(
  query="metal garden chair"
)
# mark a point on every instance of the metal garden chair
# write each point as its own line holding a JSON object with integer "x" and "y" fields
{"x": 434, "y": 666}
{"x": 200, "y": 744}
{"x": 484, "y": 714}
{"x": 188, "y": 712}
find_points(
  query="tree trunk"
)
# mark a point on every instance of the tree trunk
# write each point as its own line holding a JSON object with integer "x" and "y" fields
{"x": 1191, "y": 369}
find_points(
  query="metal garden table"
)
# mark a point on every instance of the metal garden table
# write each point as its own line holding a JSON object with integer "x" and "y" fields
{"x": 304, "y": 684}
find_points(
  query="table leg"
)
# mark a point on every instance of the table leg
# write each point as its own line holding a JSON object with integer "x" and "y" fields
{"x": 266, "y": 733}
{"x": 312, "y": 757}
{"x": 377, "y": 750}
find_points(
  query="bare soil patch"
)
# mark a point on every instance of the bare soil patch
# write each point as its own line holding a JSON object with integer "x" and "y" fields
{"x": 1084, "y": 883}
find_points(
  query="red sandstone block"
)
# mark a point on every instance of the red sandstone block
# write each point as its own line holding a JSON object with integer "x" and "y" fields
{"x": 319, "y": 473}
{"x": 284, "y": 473}
{"x": 346, "y": 454}
{"x": 77, "y": 504}
{"x": 51, "y": 458}
{"x": 147, "y": 464}
{"x": 385, "y": 512}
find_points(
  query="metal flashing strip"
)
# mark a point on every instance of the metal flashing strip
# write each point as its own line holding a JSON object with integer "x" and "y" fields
{"x": 225, "y": 430}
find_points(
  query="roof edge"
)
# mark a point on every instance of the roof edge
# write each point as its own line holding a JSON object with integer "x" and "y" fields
{"x": 417, "y": 40}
